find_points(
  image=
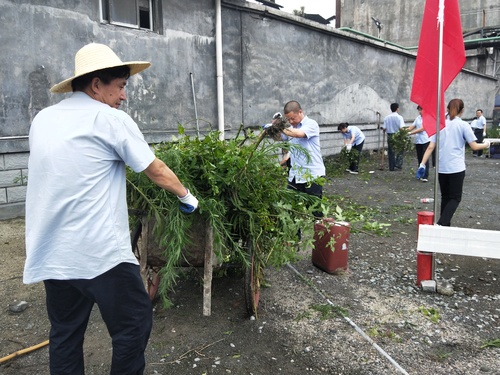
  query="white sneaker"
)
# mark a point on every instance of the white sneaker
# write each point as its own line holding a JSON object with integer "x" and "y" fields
{"x": 424, "y": 180}
{"x": 353, "y": 172}
{"x": 348, "y": 170}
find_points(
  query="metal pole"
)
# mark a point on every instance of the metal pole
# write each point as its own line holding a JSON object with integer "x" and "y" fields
{"x": 195, "y": 110}
{"x": 378, "y": 131}
{"x": 438, "y": 111}
{"x": 220, "y": 82}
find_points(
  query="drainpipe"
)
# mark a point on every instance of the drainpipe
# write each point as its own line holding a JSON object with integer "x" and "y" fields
{"x": 218, "y": 59}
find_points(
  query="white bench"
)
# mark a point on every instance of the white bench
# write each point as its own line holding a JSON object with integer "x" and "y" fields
{"x": 459, "y": 241}
{"x": 452, "y": 240}
{"x": 492, "y": 142}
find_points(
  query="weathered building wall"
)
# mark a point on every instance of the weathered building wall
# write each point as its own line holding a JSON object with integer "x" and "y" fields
{"x": 269, "y": 58}
{"x": 402, "y": 19}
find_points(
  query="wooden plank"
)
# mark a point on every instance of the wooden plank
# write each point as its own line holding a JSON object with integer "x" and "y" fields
{"x": 207, "y": 277}
{"x": 459, "y": 241}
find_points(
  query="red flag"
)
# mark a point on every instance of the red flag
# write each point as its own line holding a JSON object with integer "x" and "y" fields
{"x": 425, "y": 79}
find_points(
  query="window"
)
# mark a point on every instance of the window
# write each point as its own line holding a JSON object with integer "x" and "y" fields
{"x": 139, "y": 14}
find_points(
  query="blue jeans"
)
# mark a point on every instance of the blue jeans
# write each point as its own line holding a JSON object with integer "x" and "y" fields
{"x": 124, "y": 306}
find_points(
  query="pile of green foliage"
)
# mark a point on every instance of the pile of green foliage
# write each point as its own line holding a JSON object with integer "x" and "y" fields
{"x": 242, "y": 195}
{"x": 346, "y": 158}
{"x": 401, "y": 141}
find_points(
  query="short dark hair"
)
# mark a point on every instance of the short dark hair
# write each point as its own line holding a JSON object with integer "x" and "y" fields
{"x": 480, "y": 110}
{"x": 105, "y": 75}
{"x": 342, "y": 125}
{"x": 394, "y": 107}
{"x": 292, "y": 106}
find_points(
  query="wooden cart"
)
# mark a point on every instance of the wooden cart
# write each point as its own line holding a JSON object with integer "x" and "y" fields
{"x": 199, "y": 254}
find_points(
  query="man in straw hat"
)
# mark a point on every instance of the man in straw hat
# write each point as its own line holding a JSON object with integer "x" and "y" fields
{"x": 77, "y": 234}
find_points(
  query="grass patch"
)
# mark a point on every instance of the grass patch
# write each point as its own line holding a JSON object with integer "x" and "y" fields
{"x": 491, "y": 344}
{"x": 431, "y": 313}
{"x": 384, "y": 333}
{"x": 328, "y": 311}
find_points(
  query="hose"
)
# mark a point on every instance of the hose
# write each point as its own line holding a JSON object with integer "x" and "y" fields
{"x": 352, "y": 324}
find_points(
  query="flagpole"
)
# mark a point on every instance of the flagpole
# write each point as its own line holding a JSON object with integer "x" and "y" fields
{"x": 438, "y": 112}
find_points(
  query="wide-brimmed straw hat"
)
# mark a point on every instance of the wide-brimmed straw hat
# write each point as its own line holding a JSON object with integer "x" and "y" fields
{"x": 93, "y": 57}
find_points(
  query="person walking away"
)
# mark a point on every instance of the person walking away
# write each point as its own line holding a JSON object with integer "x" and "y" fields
{"x": 353, "y": 138}
{"x": 392, "y": 124}
{"x": 77, "y": 230}
{"x": 305, "y": 169}
{"x": 451, "y": 162}
{"x": 478, "y": 125}
{"x": 421, "y": 142}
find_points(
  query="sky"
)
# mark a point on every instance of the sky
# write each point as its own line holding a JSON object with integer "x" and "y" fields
{"x": 325, "y": 8}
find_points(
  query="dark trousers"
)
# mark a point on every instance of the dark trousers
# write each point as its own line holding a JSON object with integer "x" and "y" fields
{"x": 395, "y": 160}
{"x": 421, "y": 148}
{"x": 311, "y": 189}
{"x": 124, "y": 306}
{"x": 451, "y": 186}
{"x": 479, "y": 135}
{"x": 354, "y": 165}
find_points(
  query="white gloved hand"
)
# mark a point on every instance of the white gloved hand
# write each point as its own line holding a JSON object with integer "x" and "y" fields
{"x": 188, "y": 204}
{"x": 484, "y": 134}
{"x": 265, "y": 126}
{"x": 277, "y": 115}
{"x": 348, "y": 147}
{"x": 486, "y": 143}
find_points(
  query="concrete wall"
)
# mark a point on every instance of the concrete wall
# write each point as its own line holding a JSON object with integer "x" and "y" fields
{"x": 269, "y": 56}
{"x": 402, "y": 19}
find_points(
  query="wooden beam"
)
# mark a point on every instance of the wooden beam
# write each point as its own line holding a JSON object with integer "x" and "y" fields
{"x": 208, "y": 269}
{"x": 459, "y": 241}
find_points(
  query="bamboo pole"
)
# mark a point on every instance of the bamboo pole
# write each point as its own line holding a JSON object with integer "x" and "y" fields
{"x": 24, "y": 351}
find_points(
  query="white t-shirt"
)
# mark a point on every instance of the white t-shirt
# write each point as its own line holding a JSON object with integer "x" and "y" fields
{"x": 76, "y": 209}
{"x": 304, "y": 168}
{"x": 393, "y": 122}
{"x": 481, "y": 122}
{"x": 452, "y": 139}
{"x": 359, "y": 137}
{"x": 421, "y": 138}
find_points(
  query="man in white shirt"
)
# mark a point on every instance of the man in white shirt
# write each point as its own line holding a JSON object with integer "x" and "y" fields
{"x": 305, "y": 169}
{"x": 479, "y": 127}
{"x": 392, "y": 124}
{"x": 77, "y": 234}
